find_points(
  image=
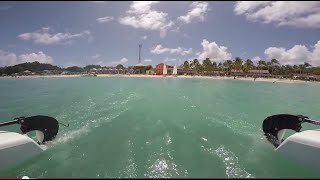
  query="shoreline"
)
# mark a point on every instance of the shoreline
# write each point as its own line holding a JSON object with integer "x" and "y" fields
{"x": 169, "y": 76}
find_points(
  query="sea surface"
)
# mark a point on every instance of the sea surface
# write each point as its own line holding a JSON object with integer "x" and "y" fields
{"x": 157, "y": 127}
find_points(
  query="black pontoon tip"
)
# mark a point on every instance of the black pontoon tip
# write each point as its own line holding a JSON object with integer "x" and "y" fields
{"x": 272, "y": 125}
{"x": 49, "y": 126}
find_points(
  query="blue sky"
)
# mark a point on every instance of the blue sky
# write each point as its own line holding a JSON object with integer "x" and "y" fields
{"x": 108, "y": 33}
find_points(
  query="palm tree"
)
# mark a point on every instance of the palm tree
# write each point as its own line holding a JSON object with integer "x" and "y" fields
{"x": 220, "y": 67}
{"x": 248, "y": 65}
{"x": 295, "y": 68}
{"x": 302, "y": 67}
{"x": 214, "y": 65}
{"x": 228, "y": 65}
{"x": 207, "y": 65}
{"x": 195, "y": 65}
{"x": 306, "y": 64}
{"x": 269, "y": 65}
{"x": 261, "y": 64}
{"x": 273, "y": 63}
{"x": 186, "y": 65}
{"x": 238, "y": 63}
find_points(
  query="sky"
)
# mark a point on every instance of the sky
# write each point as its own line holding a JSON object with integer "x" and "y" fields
{"x": 108, "y": 33}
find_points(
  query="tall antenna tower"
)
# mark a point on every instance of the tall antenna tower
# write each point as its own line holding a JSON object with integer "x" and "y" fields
{"x": 140, "y": 46}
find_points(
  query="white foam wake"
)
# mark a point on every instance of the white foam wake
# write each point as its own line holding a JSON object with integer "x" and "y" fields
{"x": 75, "y": 134}
{"x": 231, "y": 162}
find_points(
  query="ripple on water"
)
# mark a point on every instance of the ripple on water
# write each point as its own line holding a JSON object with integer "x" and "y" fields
{"x": 161, "y": 163}
{"x": 231, "y": 162}
{"x": 239, "y": 125}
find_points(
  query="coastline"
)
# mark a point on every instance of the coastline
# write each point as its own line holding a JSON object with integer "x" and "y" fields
{"x": 160, "y": 76}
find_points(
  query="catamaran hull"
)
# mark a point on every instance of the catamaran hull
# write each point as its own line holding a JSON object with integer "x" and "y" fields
{"x": 16, "y": 148}
{"x": 304, "y": 147}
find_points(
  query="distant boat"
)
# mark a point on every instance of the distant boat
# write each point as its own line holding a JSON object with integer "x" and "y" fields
{"x": 164, "y": 70}
{"x": 175, "y": 71}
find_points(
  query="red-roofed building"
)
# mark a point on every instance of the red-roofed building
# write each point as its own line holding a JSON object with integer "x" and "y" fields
{"x": 159, "y": 69}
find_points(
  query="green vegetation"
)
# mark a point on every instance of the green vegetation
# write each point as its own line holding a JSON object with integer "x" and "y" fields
{"x": 39, "y": 68}
{"x": 75, "y": 69}
{"x": 88, "y": 67}
{"x": 140, "y": 69}
{"x": 119, "y": 66}
{"x": 273, "y": 66}
{"x": 31, "y": 66}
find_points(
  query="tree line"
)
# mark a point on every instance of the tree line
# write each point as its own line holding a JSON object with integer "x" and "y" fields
{"x": 207, "y": 65}
{"x": 273, "y": 66}
{"x": 39, "y": 67}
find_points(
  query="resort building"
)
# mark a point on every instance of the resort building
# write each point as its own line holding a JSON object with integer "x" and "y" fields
{"x": 27, "y": 72}
{"x": 215, "y": 73}
{"x": 46, "y": 72}
{"x": 259, "y": 73}
{"x": 108, "y": 70}
{"x": 306, "y": 77}
{"x": 139, "y": 68}
{"x": 159, "y": 69}
{"x": 235, "y": 72}
{"x": 250, "y": 73}
{"x": 150, "y": 72}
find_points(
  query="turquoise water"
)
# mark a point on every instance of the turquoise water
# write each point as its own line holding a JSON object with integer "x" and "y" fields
{"x": 157, "y": 127}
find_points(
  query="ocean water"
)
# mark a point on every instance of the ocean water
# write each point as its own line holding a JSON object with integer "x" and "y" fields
{"x": 157, "y": 127}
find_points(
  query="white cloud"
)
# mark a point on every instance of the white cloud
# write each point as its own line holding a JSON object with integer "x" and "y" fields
{"x": 44, "y": 37}
{"x": 179, "y": 50}
{"x": 40, "y": 57}
{"x": 141, "y": 15}
{"x": 257, "y": 58}
{"x": 292, "y": 13}
{"x": 147, "y": 60}
{"x": 145, "y": 37}
{"x": 9, "y": 59}
{"x": 242, "y": 7}
{"x": 96, "y": 56}
{"x": 296, "y": 55}
{"x": 105, "y": 19}
{"x": 214, "y": 51}
{"x": 169, "y": 60}
{"x": 121, "y": 61}
{"x": 197, "y": 11}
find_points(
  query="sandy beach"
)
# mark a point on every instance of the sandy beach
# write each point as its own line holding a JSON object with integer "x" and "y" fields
{"x": 160, "y": 76}
{"x": 211, "y": 77}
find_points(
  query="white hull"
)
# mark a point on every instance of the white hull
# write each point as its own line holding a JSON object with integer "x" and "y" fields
{"x": 16, "y": 148}
{"x": 175, "y": 71}
{"x": 304, "y": 147}
{"x": 164, "y": 70}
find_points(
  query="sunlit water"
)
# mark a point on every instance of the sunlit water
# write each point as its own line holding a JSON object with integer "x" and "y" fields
{"x": 157, "y": 127}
